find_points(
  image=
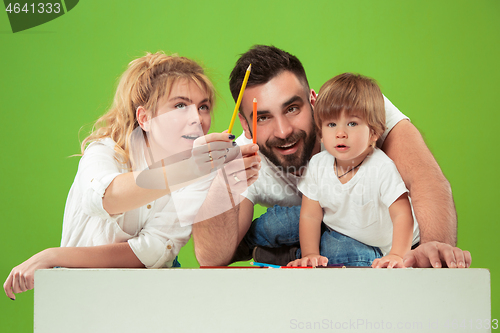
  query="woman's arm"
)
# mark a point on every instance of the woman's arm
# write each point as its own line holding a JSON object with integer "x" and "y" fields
{"x": 123, "y": 194}
{"x": 22, "y": 277}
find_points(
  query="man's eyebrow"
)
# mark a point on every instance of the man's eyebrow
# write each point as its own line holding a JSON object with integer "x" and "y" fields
{"x": 260, "y": 113}
{"x": 294, "y": 99}
{"x": 284, "y": 105}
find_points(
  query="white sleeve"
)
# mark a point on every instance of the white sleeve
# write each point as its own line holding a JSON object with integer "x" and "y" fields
{"x": 392, "y": 117}
{"x": 160, "y": 239}
{"x": 96, "y": 170}
{"x": 168, "y": 230}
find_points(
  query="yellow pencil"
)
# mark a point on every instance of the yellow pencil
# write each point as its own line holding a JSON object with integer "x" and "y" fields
{"x": 240, "y": 96}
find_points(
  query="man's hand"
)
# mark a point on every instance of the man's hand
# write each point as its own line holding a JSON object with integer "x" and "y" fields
{"x": 437, "y": 255}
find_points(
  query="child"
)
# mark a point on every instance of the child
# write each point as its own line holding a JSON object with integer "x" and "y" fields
{"x": 352, "y": 186}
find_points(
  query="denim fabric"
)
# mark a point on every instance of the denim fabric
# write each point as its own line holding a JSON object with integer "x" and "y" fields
{"x": 279, "y": 226}
{"x": 176, "y": 263}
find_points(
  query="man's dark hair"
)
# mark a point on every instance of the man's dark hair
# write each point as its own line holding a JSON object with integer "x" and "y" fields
{"x": 267, "y": 63}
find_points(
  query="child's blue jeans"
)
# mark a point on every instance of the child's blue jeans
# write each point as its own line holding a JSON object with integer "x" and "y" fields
{"x": 279, "y": 226}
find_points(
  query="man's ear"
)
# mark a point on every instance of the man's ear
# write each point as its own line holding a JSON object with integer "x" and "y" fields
{"x": 142, "y": 118}
{"x": 313, "y": 96}
{"x": 244, "y": 124}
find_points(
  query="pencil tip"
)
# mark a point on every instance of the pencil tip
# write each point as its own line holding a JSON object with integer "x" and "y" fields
{"x": 255, "y": 100}
{"x": 249, "y": 67}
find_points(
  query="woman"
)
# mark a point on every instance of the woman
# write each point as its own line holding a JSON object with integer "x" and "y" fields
{"x": 162, "y": 107}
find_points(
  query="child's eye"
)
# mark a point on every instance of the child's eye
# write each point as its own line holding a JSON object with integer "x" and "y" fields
{"x": 352, "y": 124}
{"x": 331, "y": 125}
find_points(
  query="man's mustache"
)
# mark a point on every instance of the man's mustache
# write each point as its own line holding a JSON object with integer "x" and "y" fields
{"x": 294, "y": 137}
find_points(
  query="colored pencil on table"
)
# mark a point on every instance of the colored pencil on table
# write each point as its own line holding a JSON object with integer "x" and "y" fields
{"x": 240, "y": 96}
{"x": 261, "y": 264}
{"x": 229, "y": 267}
{"x": 297, "y": 267}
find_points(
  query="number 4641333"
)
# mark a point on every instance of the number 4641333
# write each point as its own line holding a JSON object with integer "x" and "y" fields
{"x": 40, "y": 8}
{"x": 472, "y": 324}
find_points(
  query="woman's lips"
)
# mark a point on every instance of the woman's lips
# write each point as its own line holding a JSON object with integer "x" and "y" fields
{"x": 191, "y": 136}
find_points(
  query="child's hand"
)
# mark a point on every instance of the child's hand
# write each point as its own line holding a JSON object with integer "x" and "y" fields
{"x": 389, "y": 261}
{"x": 309, "y": 260}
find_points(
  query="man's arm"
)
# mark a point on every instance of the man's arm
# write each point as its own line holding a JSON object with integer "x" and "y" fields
{"x": 216, "y": 238}
{"x": 431, "y": 198}
{"x": 430, "y": 191}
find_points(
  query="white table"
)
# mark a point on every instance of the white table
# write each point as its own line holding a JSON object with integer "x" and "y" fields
{"x": 262, "y": 300}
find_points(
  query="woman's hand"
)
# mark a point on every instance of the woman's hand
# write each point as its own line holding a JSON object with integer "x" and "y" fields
{"x": 242, "y": 171}
{"x": 241, "y": 164}
{"x": 22, "y": 277}
{"x": 210, "y": 151}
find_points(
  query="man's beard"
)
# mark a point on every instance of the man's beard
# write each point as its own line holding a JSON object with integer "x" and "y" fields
{"x": 292, "y": 163}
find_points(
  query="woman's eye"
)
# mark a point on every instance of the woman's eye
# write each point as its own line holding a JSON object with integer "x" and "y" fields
{"x": 180, "y": 106}
{"x": 204, "y": 108}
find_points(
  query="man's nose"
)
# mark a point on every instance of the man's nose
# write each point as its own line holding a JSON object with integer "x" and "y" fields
{"x": 283, "y": 127}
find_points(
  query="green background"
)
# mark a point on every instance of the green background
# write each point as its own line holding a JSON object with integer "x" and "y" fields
{"x": 437, "y": 61}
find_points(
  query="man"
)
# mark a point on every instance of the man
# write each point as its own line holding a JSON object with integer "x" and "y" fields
{"x": 287, "y": 140}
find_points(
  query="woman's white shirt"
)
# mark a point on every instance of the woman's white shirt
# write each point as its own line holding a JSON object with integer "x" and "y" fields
{"x": 152, "y": 231}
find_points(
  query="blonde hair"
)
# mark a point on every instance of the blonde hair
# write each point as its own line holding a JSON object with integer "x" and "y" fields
{"x": 146, "y": 80}
{"x": 353, "y": 94}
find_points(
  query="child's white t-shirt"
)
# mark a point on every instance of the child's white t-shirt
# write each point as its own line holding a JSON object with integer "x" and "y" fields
{"x": 360, "y": 208}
